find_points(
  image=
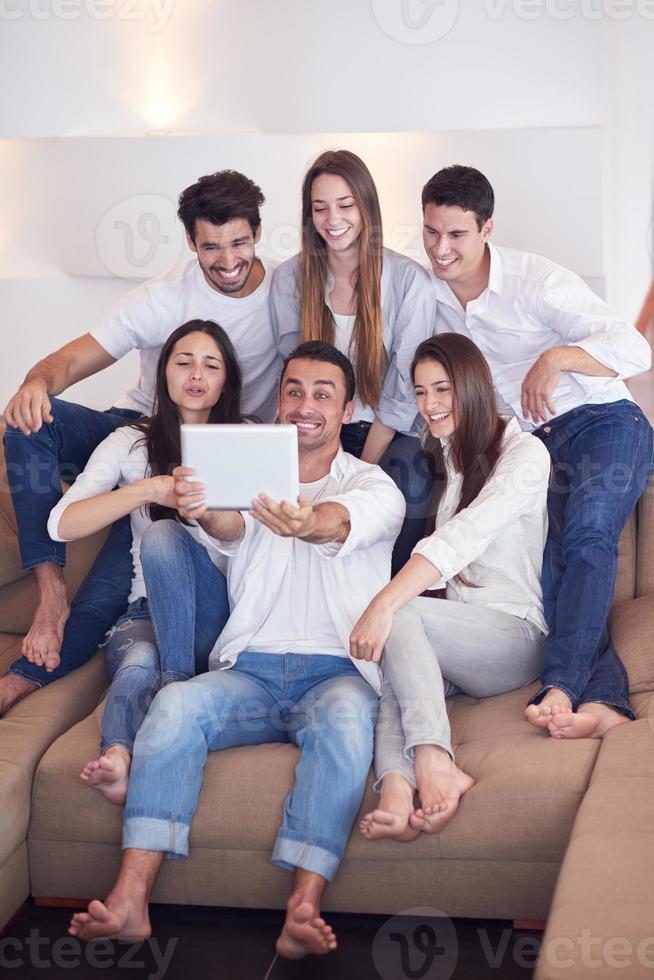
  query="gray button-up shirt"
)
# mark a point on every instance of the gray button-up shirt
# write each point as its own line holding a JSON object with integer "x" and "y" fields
{"x": 409, "y": 314}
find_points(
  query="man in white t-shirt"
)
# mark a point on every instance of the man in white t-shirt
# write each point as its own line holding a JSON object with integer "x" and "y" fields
{"x": 559, "y": 357}
{"x": 224, "y": 281}
{"x": 299, "y": 578}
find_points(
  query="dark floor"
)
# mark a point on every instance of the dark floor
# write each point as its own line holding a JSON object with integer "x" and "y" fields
{"x": 232, "y": 944}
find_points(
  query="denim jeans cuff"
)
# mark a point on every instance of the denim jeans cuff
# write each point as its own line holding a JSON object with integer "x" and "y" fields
{"x": 28, "y": 565}
{"x": 27, "y": 677}
{"x": 405, "y": 770}
{"x": 126, "y": 743}
{"x": 621, "y": 706}
{"x": 174, "y": 675}
{"x": 538, "y": 697}
{"x": 290, "y": 854}
{"x": 153, "y": 834}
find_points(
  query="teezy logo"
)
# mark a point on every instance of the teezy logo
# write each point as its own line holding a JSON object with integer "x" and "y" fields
{"x": 416, "y": 21}
{"x": 139, "y": 238}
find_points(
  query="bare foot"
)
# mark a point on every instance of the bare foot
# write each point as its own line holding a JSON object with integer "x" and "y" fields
{"x": 304, "y": 932}
{"x": 42, "y": 643}
{"x": 591, "y": 720}
{"x": 391, "y": 818}
{"x": 13, "y": 689}
{"x": 119, "y": 916}
{"x": 554, "y": 701}
{"x": 109, "y": 774}
{"x": 441, "y": 784}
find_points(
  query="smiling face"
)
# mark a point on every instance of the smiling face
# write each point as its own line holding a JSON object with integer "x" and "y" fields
{"x": 455, "y": 245}
{"x": 336, "y": 216}
{"x": 226, "y": 255}
{"x": 313, "y": 398}
{"x": 195, "y": 376}
{"x": 435, "y": 398}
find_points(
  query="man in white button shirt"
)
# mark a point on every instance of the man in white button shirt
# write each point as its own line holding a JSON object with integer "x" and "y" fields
{"x": 224, "y": 281}
{"x": 299, "y": 578}
{"x": 559, "y": 357}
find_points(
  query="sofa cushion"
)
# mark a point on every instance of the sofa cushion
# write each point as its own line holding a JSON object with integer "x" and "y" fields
{"x": 14, "y": 808}
{"x": 632, "y": 631}
{"x": 522, "y": 809}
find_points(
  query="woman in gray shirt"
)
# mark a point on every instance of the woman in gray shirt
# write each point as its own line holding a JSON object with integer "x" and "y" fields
{"x": 373, "y": 304}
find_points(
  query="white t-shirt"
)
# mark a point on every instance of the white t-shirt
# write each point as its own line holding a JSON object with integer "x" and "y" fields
{"x": 353, "y": 572}
{"x": 121, "y": 459}
{"x": 146, "y": 317}
{"x": 299, "y": 620}
{"x": 343, "y": 327}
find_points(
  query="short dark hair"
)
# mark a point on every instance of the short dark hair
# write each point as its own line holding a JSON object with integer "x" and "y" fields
{"x": 219, "y": 198}
{"x": 318, "y": 350}
{"x": 461, "y": 187}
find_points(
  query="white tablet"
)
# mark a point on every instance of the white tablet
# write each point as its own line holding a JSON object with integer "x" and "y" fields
{"x": 238, "y": 462}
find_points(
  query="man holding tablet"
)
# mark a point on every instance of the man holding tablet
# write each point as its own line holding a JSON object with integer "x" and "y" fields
{"x": 224, "y": 281}
{"x": 299, "y": 577}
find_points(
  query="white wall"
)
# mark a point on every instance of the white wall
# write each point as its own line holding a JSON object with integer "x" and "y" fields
{"x": 549, "y": 96}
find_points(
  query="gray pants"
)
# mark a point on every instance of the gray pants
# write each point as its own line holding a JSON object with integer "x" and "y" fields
{"x": 480, "y": 651}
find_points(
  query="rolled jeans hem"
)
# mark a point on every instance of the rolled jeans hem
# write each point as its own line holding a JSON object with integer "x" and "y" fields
{"x": 169, "y": 837}
{"x": 125, "y": 743}
{"x": 174, "y": 675}
{"x": 290, "y": 854}
{"x": 538, "y": 697}
{"x": 26, "y": 677}
{"x": 54, "y": 559}
{"x": 620, "y": 706}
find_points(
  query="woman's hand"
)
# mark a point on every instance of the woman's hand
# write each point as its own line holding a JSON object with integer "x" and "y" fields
{"x": 369, "y": 636}
{"x": 160, "y": 490}
{"x": 188, "y": 495}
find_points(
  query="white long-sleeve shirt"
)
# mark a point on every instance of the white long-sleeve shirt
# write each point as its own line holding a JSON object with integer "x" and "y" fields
{"x": 353, "y": 572}
{"x": 497, "y": 541}
{"x": 408, "y": 311}
{"x": 530, "y": 305}
{"x": 118, "y": 461}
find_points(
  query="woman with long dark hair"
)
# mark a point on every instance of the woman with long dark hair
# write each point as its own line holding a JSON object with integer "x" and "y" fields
{"x": 373, "y": 304}
{"x": 198, "y": 380}
{"x": 485, "y": 550}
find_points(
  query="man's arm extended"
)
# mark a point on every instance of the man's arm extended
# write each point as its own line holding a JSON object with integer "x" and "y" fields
{"x": 30, "y": 406}
{"x": 316, "y": 525}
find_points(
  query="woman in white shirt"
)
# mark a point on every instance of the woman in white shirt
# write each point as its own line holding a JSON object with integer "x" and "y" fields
{"x": 198, "y": 380}
{"x": 486, "y": 550}
{"x": 373, "y": 304}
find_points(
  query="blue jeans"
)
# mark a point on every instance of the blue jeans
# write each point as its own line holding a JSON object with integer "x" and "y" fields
{"x": 319, "y": 703}
{"x": 35, "y": 466}
{"x": 406, "y": 464}
{"x": 168, "y": 641}
{"x": 602, "y": 456}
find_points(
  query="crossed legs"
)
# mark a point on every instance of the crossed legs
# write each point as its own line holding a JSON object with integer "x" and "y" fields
{"x": 482, "y": 652}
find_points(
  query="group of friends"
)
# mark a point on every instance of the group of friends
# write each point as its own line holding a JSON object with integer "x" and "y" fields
{"x": 463, "y": 429}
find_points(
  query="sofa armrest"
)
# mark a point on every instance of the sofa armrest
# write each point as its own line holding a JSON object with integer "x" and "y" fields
{"x": 600, "y": 923}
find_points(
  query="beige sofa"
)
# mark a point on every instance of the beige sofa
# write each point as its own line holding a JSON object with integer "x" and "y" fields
{"x": 562, "y": 831}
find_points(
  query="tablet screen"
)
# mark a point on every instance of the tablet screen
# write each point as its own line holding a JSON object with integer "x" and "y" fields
{"x": 238, "y": 462}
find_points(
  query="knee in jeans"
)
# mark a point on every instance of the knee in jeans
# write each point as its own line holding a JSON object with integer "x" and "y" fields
{"x": 141, "y": 654}
{"x": 159, "y": 538}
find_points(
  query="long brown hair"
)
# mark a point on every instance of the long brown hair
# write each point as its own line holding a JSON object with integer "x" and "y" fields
{"x": 316, "y": 319}
{"x": 477, "y": 438}
{"x": 161, "y": 434}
